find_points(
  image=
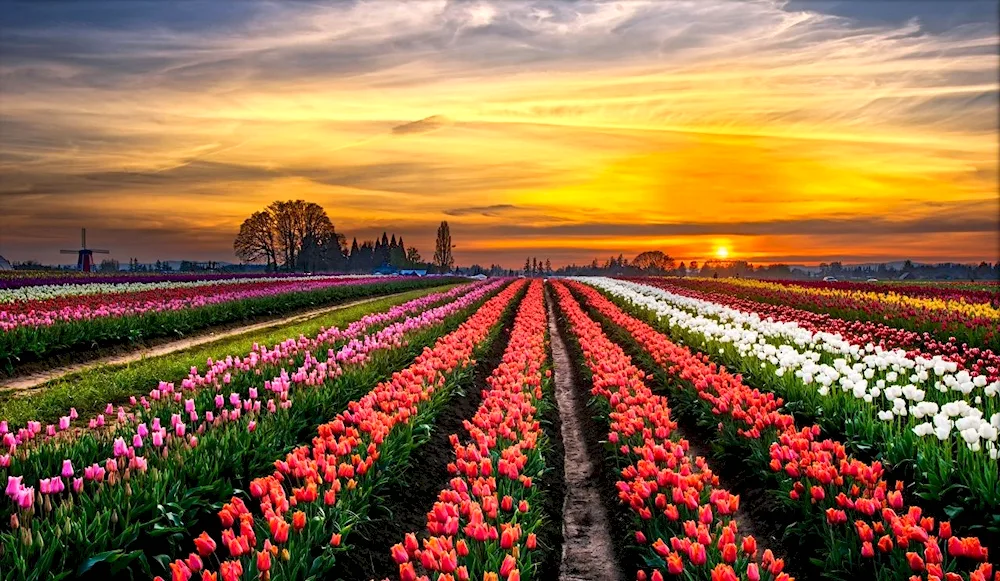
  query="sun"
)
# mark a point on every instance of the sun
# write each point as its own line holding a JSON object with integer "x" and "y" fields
{"x": 721, "y": 252}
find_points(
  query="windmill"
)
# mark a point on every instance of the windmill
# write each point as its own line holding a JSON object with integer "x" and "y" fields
{"x": 86, "y": 255}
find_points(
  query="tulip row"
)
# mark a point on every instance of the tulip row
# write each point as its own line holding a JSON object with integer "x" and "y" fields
{"x": 318, "y": 360}
{"x": 986, "y": 292}
{"x": 340, "y": 345}
{"x": 181, "y": 462}
{"x": 160, "y": 298}
{"x": 483, "y": 524}
{"x": 863, "y": 525}
{"x": 318, "y": 492}
{"x": 36, "y": 336}
{"x": 33, "y": 297}
{"x": 887, "y": 389}
{"x": 99, "y": 441}
{"x": 855, "y": 393}
{"x": 13, "y": 279}
{"x": 973, "y": 359}
{"x": 972, "y": 324}
{"x": 685, "y": 522}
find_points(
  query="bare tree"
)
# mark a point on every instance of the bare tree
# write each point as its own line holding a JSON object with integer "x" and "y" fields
{"x": 293, "y": 234}
{"x": 257, "y": 240}
{"x": 443, "y": 257}
{"x": 654, "y": 261}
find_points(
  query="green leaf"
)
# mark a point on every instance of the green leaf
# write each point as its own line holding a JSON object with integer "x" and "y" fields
{"x": 87, "y": 565}
{"x": 954, "y": 511}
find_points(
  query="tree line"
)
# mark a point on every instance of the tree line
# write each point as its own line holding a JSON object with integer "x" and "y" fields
{"x": 296, "y": 235}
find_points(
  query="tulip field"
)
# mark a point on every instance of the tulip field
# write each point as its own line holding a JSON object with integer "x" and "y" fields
{"x": 736, "y": 429}
{"x": 44, "y": 321}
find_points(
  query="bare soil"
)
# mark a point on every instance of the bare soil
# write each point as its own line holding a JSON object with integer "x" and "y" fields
{"x": 588, "y": 550}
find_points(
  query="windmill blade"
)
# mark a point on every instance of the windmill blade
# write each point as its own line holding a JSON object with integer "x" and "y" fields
{"x": 101, "y": 251}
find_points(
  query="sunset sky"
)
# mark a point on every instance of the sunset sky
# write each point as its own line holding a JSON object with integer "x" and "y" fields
{"x": 786, "y": 131}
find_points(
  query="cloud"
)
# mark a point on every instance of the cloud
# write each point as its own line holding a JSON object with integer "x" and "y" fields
{"x": 425, "y": 125}
{"x": 488, "y": 211}
{"x": 619, "y": 122}
{"x": 976, "y": 217}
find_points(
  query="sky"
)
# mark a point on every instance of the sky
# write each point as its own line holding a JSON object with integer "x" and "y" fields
{"x": 793, "y": 131}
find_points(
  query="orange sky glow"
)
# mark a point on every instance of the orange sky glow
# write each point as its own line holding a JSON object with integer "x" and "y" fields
{"x": 779, "y": 132}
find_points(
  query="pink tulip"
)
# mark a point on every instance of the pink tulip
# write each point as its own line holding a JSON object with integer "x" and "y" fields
{"x": 26, "y": 497}
{"x": 13, "y": 485}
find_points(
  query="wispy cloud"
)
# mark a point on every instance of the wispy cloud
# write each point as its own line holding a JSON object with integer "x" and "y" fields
{"x": 637, "y": 123}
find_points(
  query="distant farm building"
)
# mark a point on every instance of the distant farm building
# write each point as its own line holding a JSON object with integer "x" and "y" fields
{"x": 387, "y": 269}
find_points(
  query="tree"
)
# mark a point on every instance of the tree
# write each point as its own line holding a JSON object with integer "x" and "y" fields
{"x": 548, "y": 266}
{"x": 257, "y": 239}
{"x": 527, "y": 266}
{"x": 654, "y": 261}
{"x": 397, "y": 255}
{"x": 413, "y": 256}
{"x": 353, "y": 256}
{"x": 443, "y": 258}
{"x": 109, "y": 265}
{"x": 293, "y": 234}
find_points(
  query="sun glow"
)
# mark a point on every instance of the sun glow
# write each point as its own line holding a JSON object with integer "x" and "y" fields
{"x": 721, "y": 252}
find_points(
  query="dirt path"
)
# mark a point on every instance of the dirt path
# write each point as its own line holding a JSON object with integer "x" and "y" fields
{"x": 588, "y": 553}
{"x": 37, "y": 379}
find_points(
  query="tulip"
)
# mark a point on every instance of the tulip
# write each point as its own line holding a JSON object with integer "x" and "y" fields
{"x": 507, "y": 566}
{"x": 263, "y": 561}
{"x": 399, "y": 554}
{"x": 204, "y": 544}
{"x": 407, "y": 572}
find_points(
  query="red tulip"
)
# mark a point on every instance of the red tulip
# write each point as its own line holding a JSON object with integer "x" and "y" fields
{"x": 204, "y": 544}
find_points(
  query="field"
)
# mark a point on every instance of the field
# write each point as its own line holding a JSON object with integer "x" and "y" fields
{"x": 505, "y": 429}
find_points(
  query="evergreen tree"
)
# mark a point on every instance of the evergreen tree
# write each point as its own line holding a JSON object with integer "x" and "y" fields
{"x": 382, "y": 256}
{"x": 443, "y": 257}
{"x": 352, "y": 257}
